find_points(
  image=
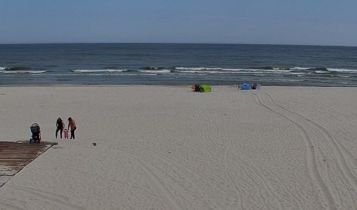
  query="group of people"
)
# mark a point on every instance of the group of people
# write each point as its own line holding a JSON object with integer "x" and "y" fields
{"x": 60, "y": 127}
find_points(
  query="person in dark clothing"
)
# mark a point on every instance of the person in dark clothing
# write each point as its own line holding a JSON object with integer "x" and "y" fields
{"x": 72, "y": 127}
{"x": 254, "y": 86}
{"x": 196, "y": 88}
{"x": 59, "y": 127}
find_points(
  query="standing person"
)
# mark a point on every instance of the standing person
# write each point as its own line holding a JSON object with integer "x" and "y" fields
{"x": 59, "y": 126}
{"x": 72, "y": 127}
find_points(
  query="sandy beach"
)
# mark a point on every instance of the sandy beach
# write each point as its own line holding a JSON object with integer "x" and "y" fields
{"x": 161, "y": 147}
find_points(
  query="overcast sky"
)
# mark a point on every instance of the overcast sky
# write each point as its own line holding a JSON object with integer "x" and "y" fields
{"x": 317, "y": 22}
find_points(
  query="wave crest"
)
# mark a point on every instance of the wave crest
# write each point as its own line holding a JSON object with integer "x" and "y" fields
{"x": 162, "y": 71}
{"x": 98, "y": 70}
{"x": 24, "y": 72}
{"x": 196, "y": 68}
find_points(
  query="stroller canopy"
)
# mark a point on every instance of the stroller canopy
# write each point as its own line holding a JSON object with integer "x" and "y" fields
{"x": 35, "y": 128}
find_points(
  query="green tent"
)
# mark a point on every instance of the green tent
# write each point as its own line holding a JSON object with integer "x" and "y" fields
{"x": 205, "y": 88}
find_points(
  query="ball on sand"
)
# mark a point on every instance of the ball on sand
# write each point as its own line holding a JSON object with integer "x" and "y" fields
{"x": 94, "y": 144}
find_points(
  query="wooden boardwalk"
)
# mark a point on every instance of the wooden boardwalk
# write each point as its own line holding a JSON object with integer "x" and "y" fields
{"x": 14, "y": 156}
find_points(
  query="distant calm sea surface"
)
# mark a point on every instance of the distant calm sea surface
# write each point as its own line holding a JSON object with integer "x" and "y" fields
{"x": 177, "y": 64}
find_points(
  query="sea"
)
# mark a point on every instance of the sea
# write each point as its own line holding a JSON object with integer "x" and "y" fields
{"x": 177, "y": 64}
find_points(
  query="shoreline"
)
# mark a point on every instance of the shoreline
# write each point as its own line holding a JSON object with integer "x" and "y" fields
{"x": 165, "y": 85}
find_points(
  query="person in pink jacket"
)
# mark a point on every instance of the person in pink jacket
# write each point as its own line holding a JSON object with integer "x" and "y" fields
{"x": 72, "y": 127}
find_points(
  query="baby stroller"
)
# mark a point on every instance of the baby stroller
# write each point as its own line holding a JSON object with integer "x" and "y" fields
{"x": 36, "y": 133}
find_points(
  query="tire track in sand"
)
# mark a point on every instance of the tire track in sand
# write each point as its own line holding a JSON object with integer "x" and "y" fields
{"x": 49, "y": 196}
{"x": 247, "y": 168}
{"x": 311, "y": 154}
{"x": 341, "y": 160}
{"x": 213, "y": 125}
{"x": 9, "y": 206}
{"x": 158, "y": 183}
{"x": 252, "y": 173}
{"x": 194, "y": 179}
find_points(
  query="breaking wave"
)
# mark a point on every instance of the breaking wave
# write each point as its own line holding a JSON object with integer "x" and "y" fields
{"x": 20, "y": 70}
{"x": 295, "y": 71}
{"x": 343, "y": 70}
{"x": 272, "y": 68}
{"x": 98, "y": 70}
{"x": 196, "y": 68}
{"x": 161, "y": 71}
{"x": 23, "y": 72}
{"x": 297, "y": 68}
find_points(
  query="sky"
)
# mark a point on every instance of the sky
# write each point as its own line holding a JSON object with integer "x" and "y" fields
{"x": 302, "y": 22}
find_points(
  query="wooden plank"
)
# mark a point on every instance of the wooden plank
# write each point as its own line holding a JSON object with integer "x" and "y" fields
{"x": 14, "y": 156}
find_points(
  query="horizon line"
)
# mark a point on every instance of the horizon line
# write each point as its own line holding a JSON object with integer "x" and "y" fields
{"x": 183, "y": 43}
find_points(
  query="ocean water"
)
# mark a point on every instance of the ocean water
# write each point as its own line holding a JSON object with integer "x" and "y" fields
{"x": 177, "y": 64}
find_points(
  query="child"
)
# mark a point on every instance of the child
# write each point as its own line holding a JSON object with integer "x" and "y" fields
{"x": 65, "y": 132}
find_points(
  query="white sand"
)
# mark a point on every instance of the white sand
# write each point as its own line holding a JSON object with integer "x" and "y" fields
{"x": 169, "y": 148}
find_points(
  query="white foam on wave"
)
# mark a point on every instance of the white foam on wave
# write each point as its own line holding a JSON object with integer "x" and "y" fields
{"x": 238, "y": 71}
{"x": 280, "y": 71}
{"x": 136, "y": 74}
{"x": 212, "y": 69}
{"x": 23, "y": 72}
{"x": 162, "y": 71}
{"x": 196, "y": 68}
{"x": 205, "y": 70}
{"x": 98, "y": 70}
{"x": 224, "y": 69}
{"x": 342, "y": 70}
{"x": 297, "y": 73}
{"x": 213, "y": 72}
{"x": 300, "y": 68}
{"x": 2, "y": 68}
{"x": 321, "y": 72}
